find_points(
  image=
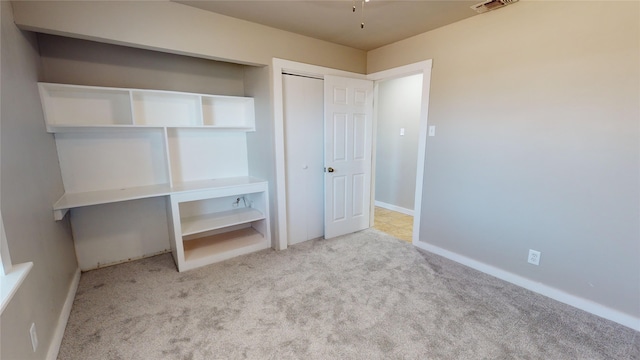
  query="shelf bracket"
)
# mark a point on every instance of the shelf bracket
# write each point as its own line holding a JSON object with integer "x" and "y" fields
{"x": 59, "y": 214}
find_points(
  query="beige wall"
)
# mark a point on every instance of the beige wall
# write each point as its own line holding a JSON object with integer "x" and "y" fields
{"x": 537, "y": 111}
{"x": 176, "y": 28}
{"x": 31, "y": 183}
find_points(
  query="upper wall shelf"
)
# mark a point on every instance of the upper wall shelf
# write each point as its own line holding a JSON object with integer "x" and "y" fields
{"x": 118, "y": 144}
{"x": 77, "y": 108}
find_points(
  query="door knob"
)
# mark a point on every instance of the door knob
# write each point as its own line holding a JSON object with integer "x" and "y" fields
{"x": 330, "y": 169}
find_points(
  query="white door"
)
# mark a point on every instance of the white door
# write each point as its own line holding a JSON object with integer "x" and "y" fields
{"x": 303, "y": 108}
{"x": 347, "y": 148}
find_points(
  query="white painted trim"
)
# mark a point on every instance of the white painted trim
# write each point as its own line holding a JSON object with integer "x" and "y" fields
{"x": 395, "y": 208}
{"x": 542, "y": 289}
{"x": 423, "y": 67}
{"x": 374, "y": 150}
{"x": 402, "y": 71}
{"x": 5, "y": 256}
{"x": 58, "y": 332}
{"x": 278, "y": 66}
{"x": 11, "y": 281}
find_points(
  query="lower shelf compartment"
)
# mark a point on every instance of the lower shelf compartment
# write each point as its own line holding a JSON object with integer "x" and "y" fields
{"x": 197, "y": 224}
{"x": 211, "y": 249}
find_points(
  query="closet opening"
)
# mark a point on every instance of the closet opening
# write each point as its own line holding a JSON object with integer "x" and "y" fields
{"x": 303, "y": 106}
{"x": 285, "y": 158}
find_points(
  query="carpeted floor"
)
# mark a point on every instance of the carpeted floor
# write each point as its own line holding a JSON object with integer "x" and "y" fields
{"x": 362, "y": 296}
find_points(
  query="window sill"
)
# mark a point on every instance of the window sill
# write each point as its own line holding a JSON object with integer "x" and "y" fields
{"x": 10, "y": 283}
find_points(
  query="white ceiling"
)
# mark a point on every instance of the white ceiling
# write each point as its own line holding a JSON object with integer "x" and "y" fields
{"x": 386, "y": 21}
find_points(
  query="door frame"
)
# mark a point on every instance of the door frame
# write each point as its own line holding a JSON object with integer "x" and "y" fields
{"x": 424, "y": 68}
{"x": 278, "y": 66}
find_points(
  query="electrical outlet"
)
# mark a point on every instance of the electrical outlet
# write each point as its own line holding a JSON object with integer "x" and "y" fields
{"x": 236, "y": 203}
{"x": 534, "y": 257}
{"x": 34, "y": 337}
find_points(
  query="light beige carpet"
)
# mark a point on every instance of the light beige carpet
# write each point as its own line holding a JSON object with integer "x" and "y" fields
{"x": 362, "y": 296}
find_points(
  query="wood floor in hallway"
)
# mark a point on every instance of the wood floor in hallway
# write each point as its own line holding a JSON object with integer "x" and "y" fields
{"x": 393, "y": 223}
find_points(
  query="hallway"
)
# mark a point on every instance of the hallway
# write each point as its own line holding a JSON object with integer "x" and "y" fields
{"x": 394, "y": 223}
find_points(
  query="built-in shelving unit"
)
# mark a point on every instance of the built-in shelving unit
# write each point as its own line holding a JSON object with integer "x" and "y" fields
{"x": 217, "y": 224}
{"x": 118, "y": 144}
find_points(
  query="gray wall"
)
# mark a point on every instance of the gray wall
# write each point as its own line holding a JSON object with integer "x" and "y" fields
{"x": 73, "y": 61}
{"x": 181, "y": 29}
{"x": 398, "y": 106}
{"x": 537, "y": 110}
{"x": 260, "y": 143}
{"x": 31, "y": 180}
{"x": 67, "y": 60}
{"x": 31, "y": 183}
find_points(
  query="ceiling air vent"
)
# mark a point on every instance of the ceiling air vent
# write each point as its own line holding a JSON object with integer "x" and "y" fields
{"x": 491, "y": 5}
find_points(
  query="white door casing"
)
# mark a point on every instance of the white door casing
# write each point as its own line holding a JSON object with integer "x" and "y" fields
{"x": 348, "y": 137}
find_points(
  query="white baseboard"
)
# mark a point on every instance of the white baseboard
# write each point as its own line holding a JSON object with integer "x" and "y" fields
{"x": 542, "y": 289}
{"x": 58, "y": 332}
{"x": 394, "y": 208}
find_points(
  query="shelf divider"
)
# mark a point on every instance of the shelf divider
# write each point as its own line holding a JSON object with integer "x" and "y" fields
{"x": 214, "y": 221}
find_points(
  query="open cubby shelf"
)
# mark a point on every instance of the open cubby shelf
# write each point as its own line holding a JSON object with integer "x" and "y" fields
{"x": 206, "y": 222}
{"x": 68, "y": 106}
{"x": 208, "y": 227}
{"x": 215, "y": 245}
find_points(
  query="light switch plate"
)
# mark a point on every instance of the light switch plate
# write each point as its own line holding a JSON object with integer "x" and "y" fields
{"x": 401, "y": 131}
{"x": 432, "y": 130}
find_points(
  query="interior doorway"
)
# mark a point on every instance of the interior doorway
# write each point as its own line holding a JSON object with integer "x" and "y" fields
{"x": 394, "y": 223}
{"x": 398, "y": 104}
